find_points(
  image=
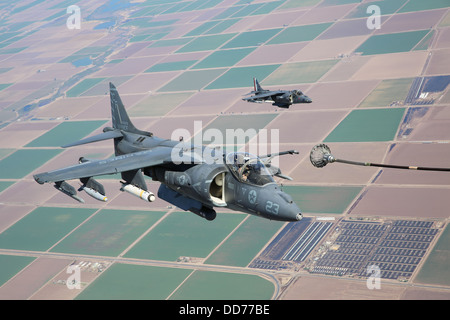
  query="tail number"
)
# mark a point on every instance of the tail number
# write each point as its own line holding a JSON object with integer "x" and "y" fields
{"x": 272, "y": 207}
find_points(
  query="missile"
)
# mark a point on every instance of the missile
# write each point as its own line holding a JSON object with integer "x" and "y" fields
{"x": 66, "y": 188}
{"x": 94, "y": 194}
{"x": 138, "y": 192}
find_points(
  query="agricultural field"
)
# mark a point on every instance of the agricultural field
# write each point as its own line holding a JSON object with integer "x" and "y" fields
{"x": 379, "y": 94}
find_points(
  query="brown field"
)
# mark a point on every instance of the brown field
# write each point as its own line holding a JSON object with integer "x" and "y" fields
{"x": 392, "y": 65}
{"x": 346, "y": 68}
{"x": 404, "y": 202}
{"x": 411, "y": 21}
{"x": 439, "y": 62}
{"x": 338, "y": 173}
{"x": 32, "y": 278}
{"x": 324, "y": 14}
{"x": 328, "y": 49}
{"x": 351, "y": 94}
{"x": 315, "y": 288}
{"x": 269, "y": 54}
{"x": 443, "y": 39}
{"x": 31, "y": 73}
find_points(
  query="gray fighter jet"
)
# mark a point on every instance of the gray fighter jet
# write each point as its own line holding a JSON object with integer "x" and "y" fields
{"x": 279, "y": 98}
{"x": 237, "y": 181}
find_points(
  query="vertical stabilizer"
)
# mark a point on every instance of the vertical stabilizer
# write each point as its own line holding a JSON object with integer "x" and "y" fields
{"x": 256, "y": 85}
{"x": 120, "y": 119}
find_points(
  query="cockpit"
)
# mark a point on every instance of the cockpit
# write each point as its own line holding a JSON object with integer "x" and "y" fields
{"x": 248, "y": 168}
{"x": 297, "y": 92}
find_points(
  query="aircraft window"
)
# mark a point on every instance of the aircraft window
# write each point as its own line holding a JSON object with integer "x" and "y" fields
{"x": 248, "y": 168}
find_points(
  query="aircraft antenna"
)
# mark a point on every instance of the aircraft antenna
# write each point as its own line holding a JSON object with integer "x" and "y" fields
{"x": 321, "y": 155}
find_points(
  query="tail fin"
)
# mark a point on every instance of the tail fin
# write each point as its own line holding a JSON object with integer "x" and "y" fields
{"x": 256, "y": 85}
{"x": 120, "y": 119}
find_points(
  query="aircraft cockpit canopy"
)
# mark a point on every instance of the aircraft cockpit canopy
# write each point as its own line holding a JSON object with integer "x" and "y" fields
{"x": 297, "y": 92}
{"x": 248, "y": 168}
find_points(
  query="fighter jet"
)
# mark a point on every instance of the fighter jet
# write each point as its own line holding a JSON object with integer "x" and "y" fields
{"x": 238, "y": 180}
{"x": 279, "y": 98}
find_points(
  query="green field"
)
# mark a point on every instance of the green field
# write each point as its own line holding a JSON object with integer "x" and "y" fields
{"x": 42, "y": 228}
{"x": 387, "y": 92}
{"x": 337, "y": 2}
{"x": 368, "y": 125}
{"x": 289, "y": 4}
{"x": 204, "y": 43}
{"x": 267, "y": 7}
{"x": 5, "y": 184}
{"x": 134, "y": 282}
{"x": 228, "y": 12}
{"x": 245, "y": 243}
{"x": 102, "y": 88}
{"x": 223, "y": 58}
{"x": 386, "y": 7}
{"x": 248, "y": 125}
{"x": 109, "y": 232}
{"x": 300, "y": 33}
{"x": 184, "y": 234}
{"x": 242, "y": 77}
{"x": 319, "y": 199}
{"x": 207, "y": 285}
{"x": 435, "y": 270}
{"x": 247, "y": 10}
{"x": 84, "y": 85}
{"x": 65, "y": 133}
{"x": 192, "y": 80}
{"x": 170, "y": 42}
{"x": 299, "y": 72}
{"x": 4, "y": 152}
{"x": 18, "y": 164}
{"x": 419, "y": 5}
{"x": 171, "y": 66}
{"x": 202, "y": 28}
{"x": 426, "y": 41}
{"x": 392, "y": 42}
{"x": 222, "y": 26}
{"x": 158, "y": 104}
{"x": 137, "y": 282}
{"x": 4, "y": 85}
{"x": 251, "y": 38}
{"x": 11, "y": 265}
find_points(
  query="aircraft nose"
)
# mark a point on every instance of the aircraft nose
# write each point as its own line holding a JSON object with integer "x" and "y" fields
{"x": 291, "y": 211}
{"x": 305, "y": 99}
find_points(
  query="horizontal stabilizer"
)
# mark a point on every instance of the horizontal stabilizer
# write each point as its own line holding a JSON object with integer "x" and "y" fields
{"x": 99, "y": 137}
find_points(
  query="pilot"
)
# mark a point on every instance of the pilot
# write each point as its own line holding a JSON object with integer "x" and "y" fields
{"x": 239, "y": 160}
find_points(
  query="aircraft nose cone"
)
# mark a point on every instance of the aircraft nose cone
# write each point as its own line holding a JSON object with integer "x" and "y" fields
{"x": 305, "y": 99}
{"x": 291, "y": 211}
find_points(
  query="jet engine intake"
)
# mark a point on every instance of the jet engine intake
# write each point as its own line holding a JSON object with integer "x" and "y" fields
{"x": 206, "y": 186}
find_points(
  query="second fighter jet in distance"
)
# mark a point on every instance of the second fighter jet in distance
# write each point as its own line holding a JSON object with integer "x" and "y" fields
{"x": 279, "y": 98}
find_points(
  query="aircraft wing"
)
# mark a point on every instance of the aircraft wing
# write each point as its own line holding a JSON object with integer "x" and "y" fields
{"x": 265, "y": 95}
{"x": 126, "y": 162}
